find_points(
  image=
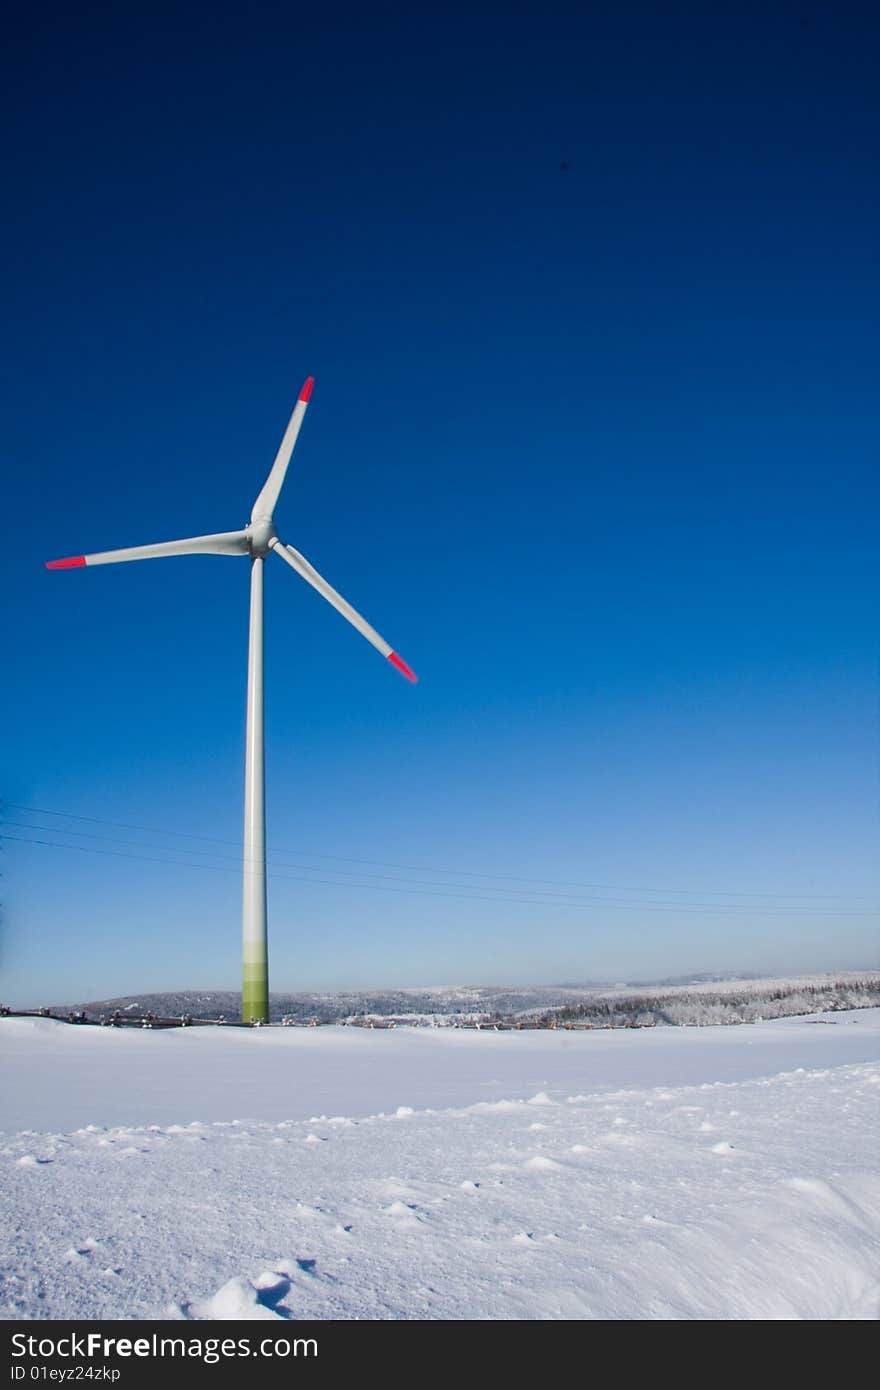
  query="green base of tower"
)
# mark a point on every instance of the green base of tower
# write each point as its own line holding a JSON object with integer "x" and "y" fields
{"x": 255, "y": 995}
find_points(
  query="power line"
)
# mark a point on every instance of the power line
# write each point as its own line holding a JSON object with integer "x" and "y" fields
{"x": 416, "y": 868}
{"x": 573, "y": 899}
{"x": 725, "y": 911}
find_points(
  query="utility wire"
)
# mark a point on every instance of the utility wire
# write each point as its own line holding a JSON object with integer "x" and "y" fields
{"x": 521, "y": 893}
{"x": 723, "y": 911}
{"x": 416, "y": 868}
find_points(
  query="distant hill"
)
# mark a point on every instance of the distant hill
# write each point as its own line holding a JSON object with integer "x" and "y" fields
{"x": 445, "y": 1001}
{"x": 702, "y": 999}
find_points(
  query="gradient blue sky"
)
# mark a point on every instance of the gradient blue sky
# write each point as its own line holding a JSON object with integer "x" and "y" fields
{"x": 591, "y": 297}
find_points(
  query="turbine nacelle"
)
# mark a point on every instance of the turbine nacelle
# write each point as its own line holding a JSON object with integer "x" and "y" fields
{"x": 261, "y": 535}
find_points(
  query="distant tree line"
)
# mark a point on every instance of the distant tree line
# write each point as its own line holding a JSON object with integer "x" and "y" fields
{"x": 704, "y": 1006}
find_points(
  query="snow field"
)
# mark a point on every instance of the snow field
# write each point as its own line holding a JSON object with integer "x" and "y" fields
{"x": 756, "y": 1197}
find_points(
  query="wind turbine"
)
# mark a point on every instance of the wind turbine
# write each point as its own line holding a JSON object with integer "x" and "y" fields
{"x": 255, "y": 541}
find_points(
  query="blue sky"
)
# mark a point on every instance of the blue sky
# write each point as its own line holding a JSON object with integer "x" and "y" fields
{"x": 591, "y": 302}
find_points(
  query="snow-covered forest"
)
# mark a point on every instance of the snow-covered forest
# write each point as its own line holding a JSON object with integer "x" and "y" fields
{"x": 699, "y": 1001}
{"x": 710, "y": 1005}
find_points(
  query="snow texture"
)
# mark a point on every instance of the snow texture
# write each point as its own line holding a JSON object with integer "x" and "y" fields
{"x": 331, "y": 1173}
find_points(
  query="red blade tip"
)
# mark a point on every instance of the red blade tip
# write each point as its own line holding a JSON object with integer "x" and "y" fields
{"x": 402, "y": 667}
{"x": 73, "y": 562}
{"x": 307, "y": 389}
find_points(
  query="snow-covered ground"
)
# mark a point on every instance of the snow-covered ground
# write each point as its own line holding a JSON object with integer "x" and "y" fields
{"x": 338, "y": 1173}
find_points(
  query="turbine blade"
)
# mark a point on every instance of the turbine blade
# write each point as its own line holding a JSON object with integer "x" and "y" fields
{"x": 265, "y": 503}
{"x": 311, "y": 576}
{"x": 225, "y": 543}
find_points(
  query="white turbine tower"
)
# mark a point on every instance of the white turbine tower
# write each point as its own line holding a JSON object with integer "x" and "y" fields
{"x": 256, "y": 541}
